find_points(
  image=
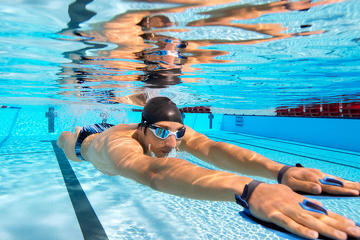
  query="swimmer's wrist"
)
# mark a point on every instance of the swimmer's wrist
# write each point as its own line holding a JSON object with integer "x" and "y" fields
{"x": 273, "y": 168}
{"x": 244, "y": 198}
{"x": 269, "y": 168}
{"x": 284, "y": 169}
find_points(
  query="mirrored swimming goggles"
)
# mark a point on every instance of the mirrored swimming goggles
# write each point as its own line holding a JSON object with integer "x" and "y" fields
{"x": 163, "y": 133}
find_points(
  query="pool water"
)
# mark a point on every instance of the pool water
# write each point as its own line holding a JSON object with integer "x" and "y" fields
{"x": 72, "y": 63}
{"x": 36, "y": 204}
{"x": 69, "y": 52}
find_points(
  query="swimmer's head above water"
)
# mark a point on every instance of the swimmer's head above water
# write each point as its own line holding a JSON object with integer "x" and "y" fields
{"x": 163, "y": 119}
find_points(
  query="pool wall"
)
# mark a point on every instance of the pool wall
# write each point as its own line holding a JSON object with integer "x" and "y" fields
{"x": 37, "y": 120}
{"x": 327, "y": 132}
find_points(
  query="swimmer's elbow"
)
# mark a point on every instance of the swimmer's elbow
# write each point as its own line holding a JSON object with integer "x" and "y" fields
{"x": 157, "y": 178}
{"x": 152, "y": 181}
{"x": 158, "y": 182}
{"x": 152, "y": 172}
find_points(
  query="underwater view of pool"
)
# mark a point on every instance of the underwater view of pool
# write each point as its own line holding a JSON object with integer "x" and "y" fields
{"x": 280, "y": 78}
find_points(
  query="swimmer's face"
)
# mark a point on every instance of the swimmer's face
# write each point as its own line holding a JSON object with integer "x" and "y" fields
{"x": 161, "y": 147}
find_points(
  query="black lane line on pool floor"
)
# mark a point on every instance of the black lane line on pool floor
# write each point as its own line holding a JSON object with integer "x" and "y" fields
{"x": 278, "y": 150}
{"x": 11, "y": 127}
{"x": 90, "y": 225}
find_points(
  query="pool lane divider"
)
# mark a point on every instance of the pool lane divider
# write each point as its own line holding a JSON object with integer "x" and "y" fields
{"x": 90, "y": 225}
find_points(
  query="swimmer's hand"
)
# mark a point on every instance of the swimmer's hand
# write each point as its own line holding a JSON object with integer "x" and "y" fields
{"x": 278, "y": 204}
{"x": 316, "y": 182}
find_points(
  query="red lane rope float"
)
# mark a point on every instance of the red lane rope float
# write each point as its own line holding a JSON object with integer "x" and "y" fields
{"x": 282, "y": 111}
{"x": 331, "y": 110}
{"x": 299, "y": 111}
{"x": 351, "y": 110}
{"x": 345, "y": 110}
{"x": 312, "y": 110}
{"x": 4, "y": 106}
{"x": 197, "y": 109}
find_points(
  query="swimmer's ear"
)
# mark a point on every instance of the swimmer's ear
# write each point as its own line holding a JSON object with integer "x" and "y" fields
{"x": 143, "y": 125}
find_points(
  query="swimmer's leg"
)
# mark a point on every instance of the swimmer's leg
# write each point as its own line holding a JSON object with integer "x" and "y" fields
{"x": 66, "y": 142}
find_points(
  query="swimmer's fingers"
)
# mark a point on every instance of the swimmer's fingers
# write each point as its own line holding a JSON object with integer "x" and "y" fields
{"x": 352, "y": 185}
{"x": 317, "y": 188}
{"x": 303, "y": 179}
{"x": 340, "y": 218}
{"x": 292, "y": 226}
{"x": 279, "y": 208}
{"x": 304, "y": 186}
{"x": 331, "y": 225}
{"x": 308, "y": 180}
{"x": 320, "y": 223}
{"x": 346, "y": 225}
{"x": 348, "y": 188}
{"x": 289, "y": 210}
{"x": 339, "y": 190}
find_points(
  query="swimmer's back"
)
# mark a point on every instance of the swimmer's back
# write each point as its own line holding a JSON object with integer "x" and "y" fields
{"x": 119, "y": 139}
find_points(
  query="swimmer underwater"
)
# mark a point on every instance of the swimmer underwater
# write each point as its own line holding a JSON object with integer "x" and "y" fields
{"x": 140, "y": 152}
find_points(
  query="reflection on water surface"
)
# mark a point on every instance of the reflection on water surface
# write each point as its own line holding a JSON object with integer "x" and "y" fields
{"x": 225, "y": 54}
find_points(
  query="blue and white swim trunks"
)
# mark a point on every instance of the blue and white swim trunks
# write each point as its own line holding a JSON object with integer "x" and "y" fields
{"x": 87, "y": 131}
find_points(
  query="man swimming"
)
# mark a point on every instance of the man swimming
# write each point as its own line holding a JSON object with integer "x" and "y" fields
{"x": 140, "y": 152}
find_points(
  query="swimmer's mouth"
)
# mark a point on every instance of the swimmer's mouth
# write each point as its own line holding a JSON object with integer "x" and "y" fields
{"x": 169, "y": 153}
{"x": 165, "y": 152}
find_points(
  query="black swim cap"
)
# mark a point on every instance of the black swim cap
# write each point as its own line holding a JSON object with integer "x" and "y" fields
{"x": 160, "y": 109}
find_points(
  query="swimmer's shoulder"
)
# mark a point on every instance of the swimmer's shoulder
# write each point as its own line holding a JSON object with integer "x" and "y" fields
{"x": 189, "y": 133}
{"x": 192, "y": 139}
{"x": 122, "y": 130}
{"x": 118, "y": 138}
{"x": 121, "y": 142}
{"x": 121, "y": 133}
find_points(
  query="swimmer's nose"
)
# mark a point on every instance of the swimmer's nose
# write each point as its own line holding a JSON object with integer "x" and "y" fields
{"x": 170, "y": 141}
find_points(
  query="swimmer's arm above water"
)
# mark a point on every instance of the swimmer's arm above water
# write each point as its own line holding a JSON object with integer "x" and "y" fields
{"x": 230, "y": 157}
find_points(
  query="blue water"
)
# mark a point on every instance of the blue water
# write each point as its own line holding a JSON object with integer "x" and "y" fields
{"x": 63, "y": 59}
{"x": 34, "y": 197}
{"x": 83, "y": 68}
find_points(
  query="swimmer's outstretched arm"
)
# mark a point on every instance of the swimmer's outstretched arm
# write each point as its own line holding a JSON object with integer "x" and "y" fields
{"x": 274, "y": 203}
{"x": 230, "y": 157}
